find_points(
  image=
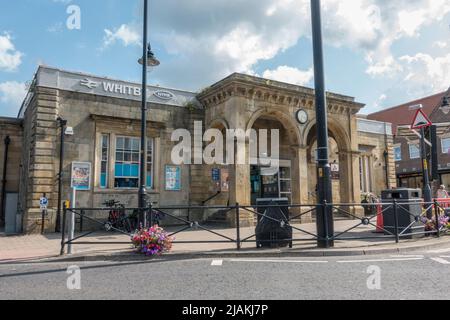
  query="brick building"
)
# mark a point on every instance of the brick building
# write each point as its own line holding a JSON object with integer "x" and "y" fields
{"x": 407, "y": 149}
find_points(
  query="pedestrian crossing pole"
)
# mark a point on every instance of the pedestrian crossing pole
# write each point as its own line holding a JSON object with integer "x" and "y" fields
{"x": 426, "y": 176}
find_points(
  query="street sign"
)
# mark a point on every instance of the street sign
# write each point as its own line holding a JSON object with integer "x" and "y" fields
{"x": 43, "y": 202}
{"x": 421, "y": 120}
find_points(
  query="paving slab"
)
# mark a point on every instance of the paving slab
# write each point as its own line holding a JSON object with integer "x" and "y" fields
{"x": 103, "y": 245}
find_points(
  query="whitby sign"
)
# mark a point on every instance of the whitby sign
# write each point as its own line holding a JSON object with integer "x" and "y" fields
{"x": 123, "y": 89}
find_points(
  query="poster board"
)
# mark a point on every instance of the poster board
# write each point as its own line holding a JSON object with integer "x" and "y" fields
{"x": 173, "y": 178}
{"x": 81, "y": 176}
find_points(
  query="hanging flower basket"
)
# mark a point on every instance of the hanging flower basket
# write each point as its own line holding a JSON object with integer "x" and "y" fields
{"x": 152, "y": 242}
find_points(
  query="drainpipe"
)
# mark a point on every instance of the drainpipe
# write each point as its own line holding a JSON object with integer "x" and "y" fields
{"x": 5, "y": 162}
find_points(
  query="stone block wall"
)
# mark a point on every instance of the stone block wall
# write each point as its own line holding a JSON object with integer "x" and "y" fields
{"x": 11, "y": 128}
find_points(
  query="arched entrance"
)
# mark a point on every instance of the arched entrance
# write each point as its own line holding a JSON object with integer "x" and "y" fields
{"x": 339, "y": 161}
{"x": 282, "y": 183}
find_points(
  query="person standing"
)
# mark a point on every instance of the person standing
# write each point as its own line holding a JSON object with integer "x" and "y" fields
{"x": 442, "y": 193}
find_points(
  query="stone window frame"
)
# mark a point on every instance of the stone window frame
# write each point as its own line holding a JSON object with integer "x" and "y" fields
{"x": 442, "y": 145}
{"x": 366, "y": 165}
{"x": 399, "y": 145}
{"x": 132, "y": 151}
{"x": 410, "y": 144}
{"x": 108, "y": 127}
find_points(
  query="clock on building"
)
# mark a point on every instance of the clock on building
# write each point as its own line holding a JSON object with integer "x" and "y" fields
{"x": 301, "y": 116}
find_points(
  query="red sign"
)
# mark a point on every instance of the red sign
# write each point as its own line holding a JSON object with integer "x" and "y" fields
{"x": 421, "y": 120}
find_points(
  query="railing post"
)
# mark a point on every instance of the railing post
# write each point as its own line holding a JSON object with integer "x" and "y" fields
{"x": 63, "y": 229}
{"x": 81, "y": 220}
{"x": 71, "y": 231}
{"x": 238, "y": 228}
{"x": 151, "y": 215}
{"x": 436, "y": 214}
{"x": 397, "y": 237}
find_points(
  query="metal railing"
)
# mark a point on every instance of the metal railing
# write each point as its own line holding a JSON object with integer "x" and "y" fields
{"x": 415, "y": 213}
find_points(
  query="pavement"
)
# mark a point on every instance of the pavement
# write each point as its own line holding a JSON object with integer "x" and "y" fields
{"x": 106, "y": 246}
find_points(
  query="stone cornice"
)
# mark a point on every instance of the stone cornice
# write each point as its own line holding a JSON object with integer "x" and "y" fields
{"x": 274, "y": 92}
{"x": 103, "y": 118}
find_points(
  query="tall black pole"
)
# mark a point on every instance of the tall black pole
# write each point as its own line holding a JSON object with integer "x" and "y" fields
{"x": 3, "y": 195}
{"x": 325, "y": 225}
{"x": 62, "y": 124}
{"x": 142, "y": 188}
{"x": 426, "y": 177}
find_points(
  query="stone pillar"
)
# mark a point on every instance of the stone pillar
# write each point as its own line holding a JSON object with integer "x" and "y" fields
{"x": 240, "y": 191}
{"x": 41, "y": 169}
{"x": 355, "y": 196}
{"x": 300, "y": 182}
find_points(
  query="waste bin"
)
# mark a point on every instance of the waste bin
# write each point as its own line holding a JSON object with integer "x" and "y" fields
{"x": 409, "y": 211}
{"x": 273, "y": 223}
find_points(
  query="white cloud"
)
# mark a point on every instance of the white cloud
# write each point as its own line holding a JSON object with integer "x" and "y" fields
{"x": 126, "y": 34}
{"x": 290, "y": 75}
{"x": 12, "y": 94}
{"x": 10, "y": 58}
{"x": 440, "y": 44}
{"x": 424, "y": 73}
{"x": 235, "y": 35}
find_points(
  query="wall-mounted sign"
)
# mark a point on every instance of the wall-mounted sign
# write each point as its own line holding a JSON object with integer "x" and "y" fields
{"x": 335, "y": 171}
{"x": 173, "y": 178}
{"x": 81, "y": 176}
{"x": 123, "y": 89}
{"x": 225, "y": 181}
{"x": 43, "y": 203}
{"x": 164, "y": 95}
{"x": 215, "y": 174}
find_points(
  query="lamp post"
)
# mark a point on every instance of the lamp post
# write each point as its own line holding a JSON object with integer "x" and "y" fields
{"x": 62, "y": 124}
{"x": 325, "y": 224}
{"x": 148, "y": 60}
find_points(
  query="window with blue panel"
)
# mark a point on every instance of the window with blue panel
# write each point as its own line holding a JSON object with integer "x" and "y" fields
{"x": 126, "y": 168}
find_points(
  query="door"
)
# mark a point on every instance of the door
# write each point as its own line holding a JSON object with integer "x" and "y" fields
{"x": 11, "y": 213}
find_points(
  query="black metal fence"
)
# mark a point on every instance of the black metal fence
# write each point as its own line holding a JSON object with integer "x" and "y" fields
{"x": 402, "y": 220}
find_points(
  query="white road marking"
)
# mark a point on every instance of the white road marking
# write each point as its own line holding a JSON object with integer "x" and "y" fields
{"x": 439, "y": 251}
{"x": 380, "y": 260}
{"x": 440, "y": 260}
{"x": 277, "y": 261}
{"x": 408, "y": 256}
{"x": 217, "y": 263}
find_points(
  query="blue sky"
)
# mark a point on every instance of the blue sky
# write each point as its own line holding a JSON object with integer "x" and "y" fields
{"x": 381, "y": 52}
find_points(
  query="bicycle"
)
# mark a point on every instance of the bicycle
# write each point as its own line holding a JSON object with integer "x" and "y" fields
{"x": 117, "y": 218}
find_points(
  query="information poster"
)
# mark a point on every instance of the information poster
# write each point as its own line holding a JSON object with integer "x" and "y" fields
{"x": 81, "y": 176}
{"x": 173, "y": 178}
{"x": 225, "y": 181}
{"x": 335, "y": 171}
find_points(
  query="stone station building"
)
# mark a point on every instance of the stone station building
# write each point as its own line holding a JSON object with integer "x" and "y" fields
{"x": 105, "y": 117}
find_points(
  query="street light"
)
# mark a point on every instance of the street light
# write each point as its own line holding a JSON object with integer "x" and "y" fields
{"x": 147, "y": 60}
{"x": 325, "y": 223}
{"x": 62, "y": 125}
{"x": 151, "y": 59}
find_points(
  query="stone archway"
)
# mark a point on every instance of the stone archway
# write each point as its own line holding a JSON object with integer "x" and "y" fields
{"x": 290, "y": 140}
{"x": 339, "y": 146}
